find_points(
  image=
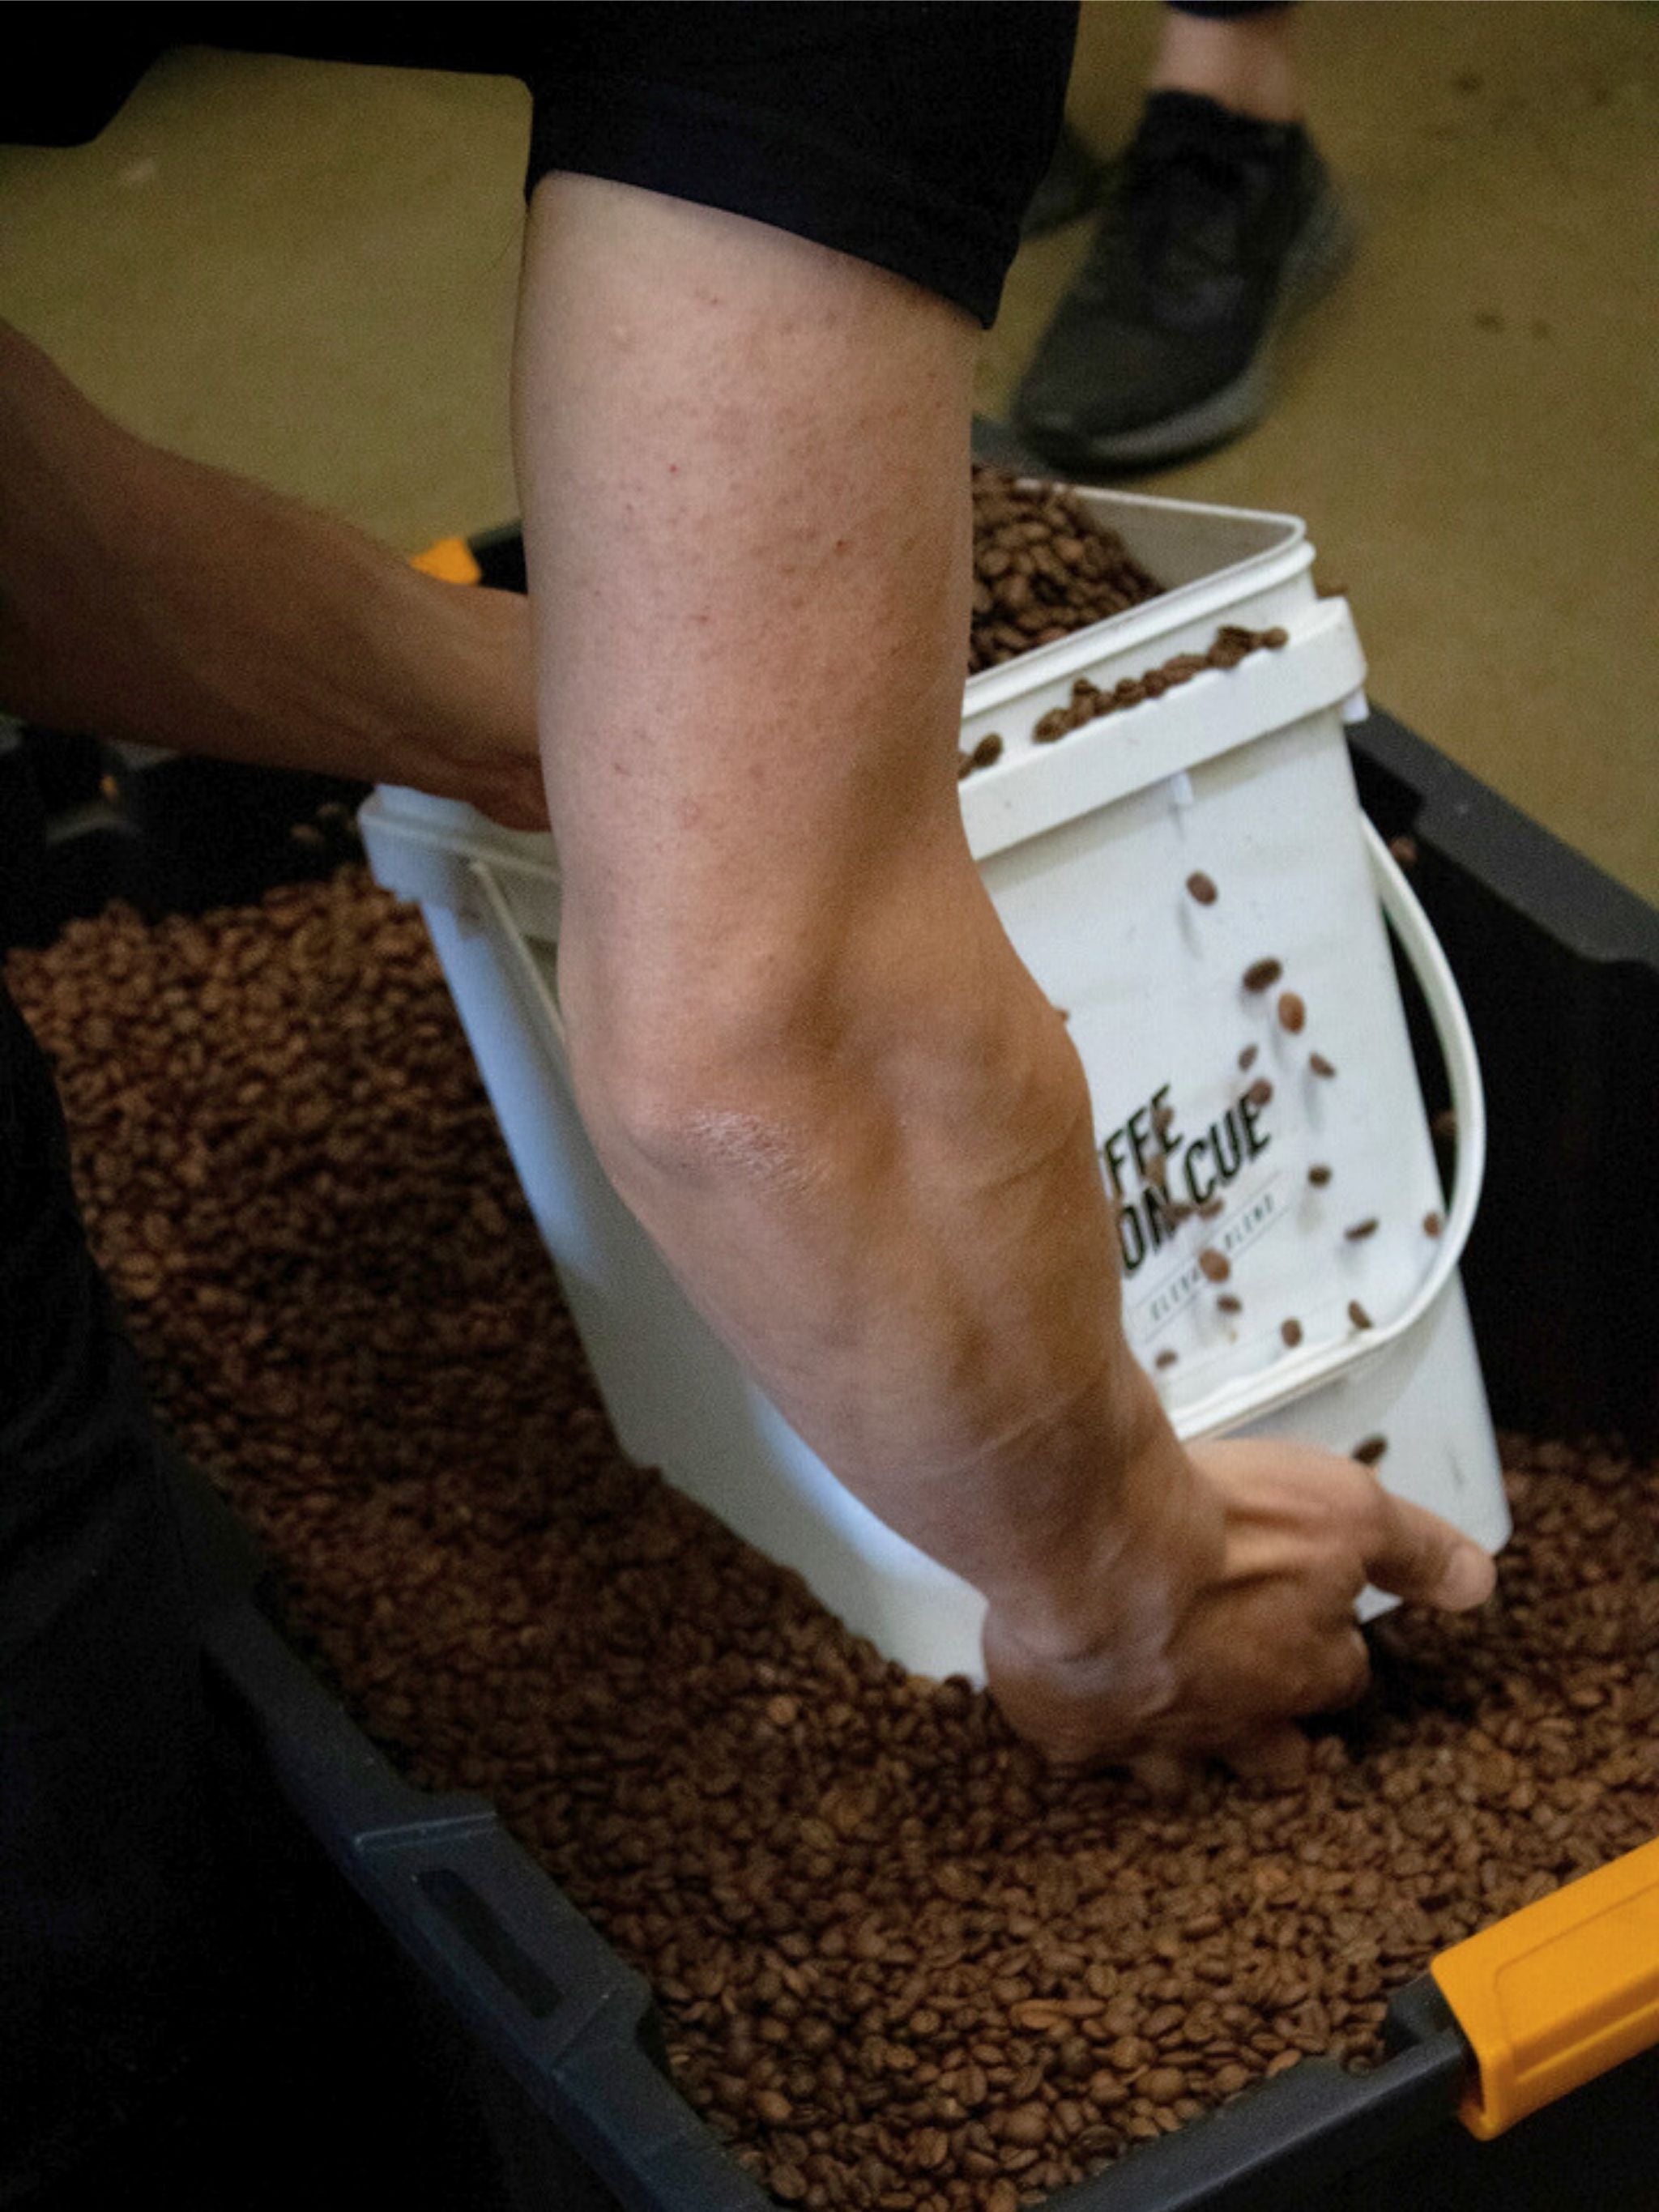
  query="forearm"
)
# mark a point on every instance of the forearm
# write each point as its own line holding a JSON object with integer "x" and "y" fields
{"x": 803, "y": 1044}
{"x": 891, "y": 1209}
{"x": 811, "y": 1058}
{"x": 144, "y": 596}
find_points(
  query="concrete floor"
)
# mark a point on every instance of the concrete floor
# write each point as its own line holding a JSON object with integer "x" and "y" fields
{"x": 306, "y": 271}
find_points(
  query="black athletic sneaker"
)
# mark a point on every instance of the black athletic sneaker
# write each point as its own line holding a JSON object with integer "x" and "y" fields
{"x": 1220, "y": 229}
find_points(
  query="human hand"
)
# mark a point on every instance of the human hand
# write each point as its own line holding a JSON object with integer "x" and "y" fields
{"x": 1218, "y": 1656}
{"x": 143, "y": 596}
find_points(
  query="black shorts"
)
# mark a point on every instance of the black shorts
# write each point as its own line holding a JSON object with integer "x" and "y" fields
{"x": 108, "y": 1844}
{"x": 910, "y": 133}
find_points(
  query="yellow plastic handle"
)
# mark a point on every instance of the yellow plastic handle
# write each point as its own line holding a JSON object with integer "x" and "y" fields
{"x": 1558, "y": 1992}
{"x": 450, "y": 560}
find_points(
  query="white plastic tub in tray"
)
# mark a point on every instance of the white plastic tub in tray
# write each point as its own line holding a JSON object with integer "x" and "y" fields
{"x": 1086, "y": 845}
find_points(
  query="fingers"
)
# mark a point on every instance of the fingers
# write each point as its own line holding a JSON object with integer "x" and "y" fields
{"x": 1418, "y": 1556}
{"x": 1346, "y": 1674}
{"x": 1164, "y": 1775}
{"x": 1277, "y": 1754}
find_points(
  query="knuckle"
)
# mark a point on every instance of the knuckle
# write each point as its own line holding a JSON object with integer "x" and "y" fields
{"x": 1352, "y": 1680}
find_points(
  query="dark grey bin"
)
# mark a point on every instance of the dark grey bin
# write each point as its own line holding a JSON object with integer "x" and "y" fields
{"x": 531, "y": 2049}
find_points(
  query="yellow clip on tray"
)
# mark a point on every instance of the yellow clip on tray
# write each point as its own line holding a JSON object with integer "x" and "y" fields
{"x": 1557, "y": 1992}
{"x": 450, "y": 560}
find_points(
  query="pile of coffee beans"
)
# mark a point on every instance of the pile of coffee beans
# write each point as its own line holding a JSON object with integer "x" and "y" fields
{"x": 1043, "y": 568}
{"x": 1088, "y": 702}
{"x": 902, "y": 1967}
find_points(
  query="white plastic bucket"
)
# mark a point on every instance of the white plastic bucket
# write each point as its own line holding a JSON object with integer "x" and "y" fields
{"x": 1086, "y": 846}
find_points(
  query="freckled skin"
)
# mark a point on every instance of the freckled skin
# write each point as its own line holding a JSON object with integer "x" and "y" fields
{"x": 807, "y": 1052}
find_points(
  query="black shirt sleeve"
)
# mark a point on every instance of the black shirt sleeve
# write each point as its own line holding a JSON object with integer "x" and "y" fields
{"x": 909, "y": 135}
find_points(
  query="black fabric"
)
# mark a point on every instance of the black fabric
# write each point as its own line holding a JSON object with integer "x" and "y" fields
{"x": 909, "y": 134}
{"x": 1223, "y": 11}
{"x": 107, "y": 1881}
{"x": 56, "y": 92}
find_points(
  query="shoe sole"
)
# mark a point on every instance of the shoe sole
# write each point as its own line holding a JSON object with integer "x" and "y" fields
{"x": 1315, "y": 260}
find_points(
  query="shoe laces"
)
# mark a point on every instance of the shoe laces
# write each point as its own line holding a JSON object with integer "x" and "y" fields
{"x": 1189, "y": 200}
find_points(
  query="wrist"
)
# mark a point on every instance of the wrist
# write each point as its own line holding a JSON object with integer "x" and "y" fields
{"x": 457, "y": 695}
{"x": 1151, "y": 1538}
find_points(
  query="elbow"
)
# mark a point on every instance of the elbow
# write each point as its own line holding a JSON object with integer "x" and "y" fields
{"x": 778, "y": 1059}
{"x": 701, "y": 1102}
{"x": 796, "y": 1104}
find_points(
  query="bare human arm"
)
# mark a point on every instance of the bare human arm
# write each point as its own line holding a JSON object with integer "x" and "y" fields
{"x": 144, "y": 596}
{"x": 806, "y": 1051}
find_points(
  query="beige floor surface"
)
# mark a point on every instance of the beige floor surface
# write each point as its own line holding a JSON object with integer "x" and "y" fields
{"x": 306, "y": 271}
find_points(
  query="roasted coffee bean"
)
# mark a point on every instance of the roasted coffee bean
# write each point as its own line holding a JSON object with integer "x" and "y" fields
{"x": 1026, "y": 2125}
{"x": 1432, "y": 1224}
{"x": 1228, "y": 1303}
{"x": 1370, "y": 1450}
{"x": 1320, "y": 1064}
{"x": 1215, "y": 1266}
{"x": 1209, "y": 1207}
{"x": 1261, "y": 975}
{"x": 1167, "y": 1357}
{"x": 1202, "y": 888}
{"x": 985, "y": 753}
{"x": 1088, "y": 704}
{"x": 1247, "y": 1058}
{"x": 840, "y": 1881}
{"x": 1293, "y": 1013}
{"x": 1042, "y": 570}
{"x": 1357, "y": 1314}
{"x": 1319, "y": 1175}
{"x": 1163, "y": 1120}
{"x": 1260, "y": 1092}
{"x": 1404, "y": 849}
{"x": 1357, "y": 1231}
{"x": 1292, "y": 1332}
{"x": 1275, "y": 637}
{"x": 1443, "y": 1127}
{"x": 1040, "y": 558}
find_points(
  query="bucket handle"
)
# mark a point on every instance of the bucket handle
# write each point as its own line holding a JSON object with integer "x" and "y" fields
{"x": 1249, "y": 1397}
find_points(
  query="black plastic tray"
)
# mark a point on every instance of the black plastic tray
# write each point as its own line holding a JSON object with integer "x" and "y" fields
{"x": 549, "y": 2051}
{"x": 547, "y": 2041}
{"x": 498, "y": 2056}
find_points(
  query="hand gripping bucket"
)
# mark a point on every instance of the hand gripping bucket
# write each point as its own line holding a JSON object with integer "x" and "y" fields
{"x": 1286, "y": 1265}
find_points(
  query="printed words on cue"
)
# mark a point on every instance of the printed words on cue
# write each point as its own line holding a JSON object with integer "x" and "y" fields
{"x": 1194, "y": 1169}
